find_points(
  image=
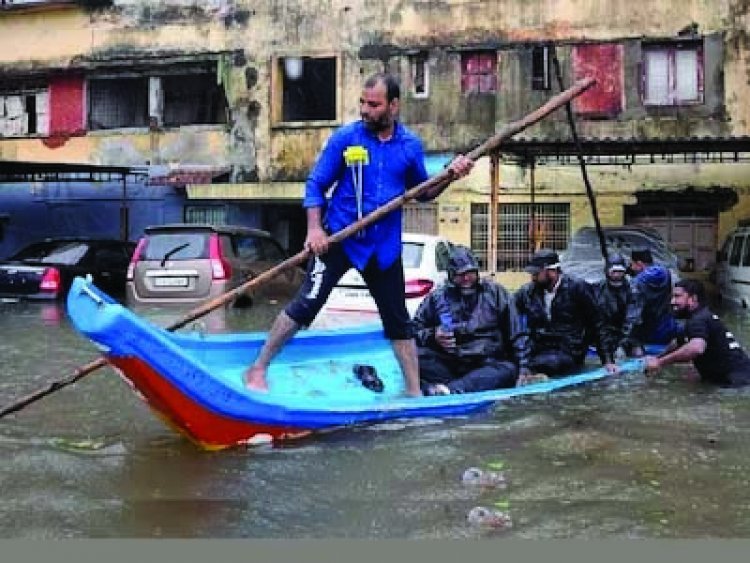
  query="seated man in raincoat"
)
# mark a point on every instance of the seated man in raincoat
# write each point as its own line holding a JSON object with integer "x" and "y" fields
{"x": 559, "y": 315}
{"x": 467, "y": 332}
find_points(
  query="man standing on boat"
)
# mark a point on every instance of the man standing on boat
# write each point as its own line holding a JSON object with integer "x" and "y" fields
{"x": 713, "y": 349}
{"x": 650, "y": 320}
{"x": 467, "y": 332}
{"x": 370, "y": 162}
{"x": 559, "y": 315}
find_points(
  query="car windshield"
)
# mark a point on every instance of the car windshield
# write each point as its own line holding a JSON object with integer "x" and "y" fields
{"x": 585, "y": 246}
{"x": 60, "y": 252}
{"x": 412, "y": 254}
{"x": 176, "y": 246}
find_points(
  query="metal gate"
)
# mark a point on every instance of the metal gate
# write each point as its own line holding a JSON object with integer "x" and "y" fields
{"x": 692, "y": 235}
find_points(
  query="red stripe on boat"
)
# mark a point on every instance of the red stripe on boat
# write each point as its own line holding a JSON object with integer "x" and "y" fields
{"x": 206, "y": 428}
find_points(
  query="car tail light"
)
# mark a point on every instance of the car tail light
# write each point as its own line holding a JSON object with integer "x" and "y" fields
{"x": 220, "y": 267}
{"x": 418, "y": 287}
{"x": 134, "y": 259}
{"x": 50, "y": 280}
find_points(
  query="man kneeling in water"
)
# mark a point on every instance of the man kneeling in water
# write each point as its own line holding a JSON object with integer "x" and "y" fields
{"x": 467, "y": 332}
{"x": 714, "y": 351}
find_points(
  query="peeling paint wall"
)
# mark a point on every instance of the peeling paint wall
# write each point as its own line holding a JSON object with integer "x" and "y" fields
{"x": 368, "y": 35}
{"x": 246, "y": 38}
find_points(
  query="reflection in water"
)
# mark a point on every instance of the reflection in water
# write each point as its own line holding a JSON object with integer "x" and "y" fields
{"x": 624, "y": 457}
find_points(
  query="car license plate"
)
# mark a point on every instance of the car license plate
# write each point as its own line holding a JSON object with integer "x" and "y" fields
{"x": 171, "y": 282}
{"x": 356, "y": 293}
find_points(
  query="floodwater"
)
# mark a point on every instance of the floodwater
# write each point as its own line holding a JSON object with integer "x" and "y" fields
{"x": 624, "y": 458}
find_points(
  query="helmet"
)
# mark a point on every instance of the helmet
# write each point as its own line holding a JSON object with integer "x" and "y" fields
{"x": 617, "y": 262}
{"x": 461, "y": 260}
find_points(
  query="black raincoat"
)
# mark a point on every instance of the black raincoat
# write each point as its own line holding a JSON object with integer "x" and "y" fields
{"x": 485, "y": 324}
{"x": 574, "y": 319}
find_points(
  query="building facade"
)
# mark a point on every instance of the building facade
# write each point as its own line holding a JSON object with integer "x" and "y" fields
{"x": 252, "y": 90}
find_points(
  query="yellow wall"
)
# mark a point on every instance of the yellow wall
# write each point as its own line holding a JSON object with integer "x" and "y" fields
{"x": 69, "y": 37}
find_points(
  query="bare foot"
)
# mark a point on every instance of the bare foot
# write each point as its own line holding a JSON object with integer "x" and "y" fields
{"x": 414, "y": 393}
{"x": 255, "y": 379}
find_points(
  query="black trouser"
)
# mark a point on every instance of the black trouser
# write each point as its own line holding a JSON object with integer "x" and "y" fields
{"x": 386, "y": 287}
{"x": 462, "y": 375}
{"x": 554, "y": 363}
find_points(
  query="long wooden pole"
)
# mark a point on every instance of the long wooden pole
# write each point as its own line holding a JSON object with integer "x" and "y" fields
{"x": 440, "y": 180}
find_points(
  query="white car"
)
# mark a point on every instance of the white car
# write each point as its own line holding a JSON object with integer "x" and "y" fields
{"x": 425, "y": 259}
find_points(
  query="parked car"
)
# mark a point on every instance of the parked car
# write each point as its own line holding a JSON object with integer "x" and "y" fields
{"x": 425, "y": 259}
{"x": 44, "y": 270}
{"x": 188, "y": 263}
{"x": 732, "y": 271}
{"x": 583, "y": 257}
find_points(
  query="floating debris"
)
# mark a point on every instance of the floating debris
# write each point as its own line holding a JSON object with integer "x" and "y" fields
{"x": 483, "y": 478}
{"x": 489, "y": 518}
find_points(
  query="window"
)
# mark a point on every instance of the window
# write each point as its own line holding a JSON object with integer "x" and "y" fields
{"x": 672, "y": 74}
{"x": 479, "y": 72}
{"x": 24, "y": 113}
{"x": 258, "y": 249}
{"x": 519, "y": 236}
{"x": 420, "y": 75}
{"x": 540, "y": 68}
{"x": 170, "y": 100}
{"x": 192, "y": 99}
{"x": 118, "y": 102}
{"x": 206, "y": 214}
{"x": 306, "y": 89}
{"x": 603, "y": 62}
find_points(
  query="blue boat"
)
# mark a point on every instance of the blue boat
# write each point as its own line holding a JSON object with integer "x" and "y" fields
{"x": 194, "y": 381}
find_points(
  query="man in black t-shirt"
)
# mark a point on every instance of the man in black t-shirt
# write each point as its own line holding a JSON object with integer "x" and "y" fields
{"x": 716, "y": 354}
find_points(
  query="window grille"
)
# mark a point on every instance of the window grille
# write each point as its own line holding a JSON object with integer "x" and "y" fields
{"x": 518, "y": 235}
{"x": 208, "y": 214}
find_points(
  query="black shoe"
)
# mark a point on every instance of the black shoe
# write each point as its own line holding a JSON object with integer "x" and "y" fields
{"x": 369, "y": 378}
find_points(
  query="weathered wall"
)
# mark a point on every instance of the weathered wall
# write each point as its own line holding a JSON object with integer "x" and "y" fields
{"x": 368, "y": 35}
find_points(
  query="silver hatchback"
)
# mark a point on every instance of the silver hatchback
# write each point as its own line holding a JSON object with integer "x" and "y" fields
{"x": 189, "y": 263}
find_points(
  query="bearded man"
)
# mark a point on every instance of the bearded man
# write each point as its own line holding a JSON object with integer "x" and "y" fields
{"x": 559, "y": 315}
{"x": 713, "y": 349}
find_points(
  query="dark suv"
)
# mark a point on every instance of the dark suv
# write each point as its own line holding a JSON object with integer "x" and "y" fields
{"x": 189, "y": 263}
{"x": 583, "y": 257}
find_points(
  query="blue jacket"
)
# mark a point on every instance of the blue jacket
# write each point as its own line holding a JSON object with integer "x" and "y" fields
{"x": 394, "y": 166}
{"x": 649, "y": 318}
